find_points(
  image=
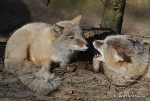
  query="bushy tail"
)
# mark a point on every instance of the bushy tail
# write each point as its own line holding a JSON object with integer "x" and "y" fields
{"x": 26, "y": 71}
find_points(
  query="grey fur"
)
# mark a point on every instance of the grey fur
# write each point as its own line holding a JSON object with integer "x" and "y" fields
{"x": 26, "y": 73}
{"x": 119, "y": 79}
{"x": 135, "y": 54}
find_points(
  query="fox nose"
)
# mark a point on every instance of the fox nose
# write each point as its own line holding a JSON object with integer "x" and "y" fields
{"x": 87, "y": 45}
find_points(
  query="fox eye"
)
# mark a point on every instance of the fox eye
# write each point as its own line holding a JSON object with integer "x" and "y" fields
{"x": 71, "y": 37}
{"x": 68, "y": 35}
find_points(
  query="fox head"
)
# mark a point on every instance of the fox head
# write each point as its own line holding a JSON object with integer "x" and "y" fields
{"x": 109, "y": 50}
{"x": 69, "y": 35}
{"x": 117, "y": 48}
{"x": 123, "y": 54}
{"x": 120, "y": 48}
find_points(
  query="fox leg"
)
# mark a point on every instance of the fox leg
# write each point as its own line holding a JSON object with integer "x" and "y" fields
{"x": 44, "y": 72}
{"x": 96, "y": 65}
{"x": 62, "y": 64}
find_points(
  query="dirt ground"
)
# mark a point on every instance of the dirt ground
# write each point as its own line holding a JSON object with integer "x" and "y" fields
{"x": 82, "y": 84}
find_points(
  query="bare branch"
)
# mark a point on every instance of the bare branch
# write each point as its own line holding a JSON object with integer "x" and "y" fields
{"x": 105, "y": 4}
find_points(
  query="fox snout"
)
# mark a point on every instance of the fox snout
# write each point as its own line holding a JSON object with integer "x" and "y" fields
{"x": 85, "y": 45}
{"x": 82, "y": 44}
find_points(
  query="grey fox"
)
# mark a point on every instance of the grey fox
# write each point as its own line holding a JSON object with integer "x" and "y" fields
{"x": 38, "y": 45}
{"x": 124, "y": 58}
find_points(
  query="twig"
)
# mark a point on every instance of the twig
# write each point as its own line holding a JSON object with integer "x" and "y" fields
{"x": 105, "y": 4}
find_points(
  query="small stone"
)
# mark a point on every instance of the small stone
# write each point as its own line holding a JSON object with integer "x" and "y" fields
{"x": 22, "y": 94}
{"x": 143, "y": 92}
{"x": 70, "y": 69}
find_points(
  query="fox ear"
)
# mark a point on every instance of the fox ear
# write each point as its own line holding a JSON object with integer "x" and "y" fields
{"x": 57, "y": 30}
{"x": 118, "y": 58}
{"x": 77, "y": 19}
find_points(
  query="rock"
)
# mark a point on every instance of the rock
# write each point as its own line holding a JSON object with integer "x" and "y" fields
{"x": 143, "y": 92}
{"x": 22, "y": 94}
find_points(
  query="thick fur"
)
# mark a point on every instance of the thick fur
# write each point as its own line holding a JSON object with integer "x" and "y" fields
{"x": 32, "y": 48}
{"x": 125, "y": 59}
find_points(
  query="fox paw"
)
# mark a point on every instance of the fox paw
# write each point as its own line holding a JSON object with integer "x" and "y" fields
{"x": 45, "y": 75}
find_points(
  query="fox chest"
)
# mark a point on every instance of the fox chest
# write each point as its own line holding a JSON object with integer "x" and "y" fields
{"x": 61, "y": 56}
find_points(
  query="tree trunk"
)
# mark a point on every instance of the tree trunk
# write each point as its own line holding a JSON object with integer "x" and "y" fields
{"x": 46, "y": 2}
{"x": 113, "y": 15}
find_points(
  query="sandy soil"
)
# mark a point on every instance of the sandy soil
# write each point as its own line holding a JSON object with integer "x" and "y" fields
{"x": 81, "y": 85}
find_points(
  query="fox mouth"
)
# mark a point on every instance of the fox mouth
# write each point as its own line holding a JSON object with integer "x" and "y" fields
{"x": 97, "y": 54}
